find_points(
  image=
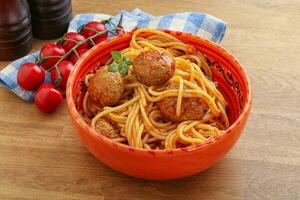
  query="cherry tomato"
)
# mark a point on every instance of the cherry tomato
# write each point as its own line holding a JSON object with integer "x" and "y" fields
{"x": 48, "y": 98}
{"x": 65, "y": 67}
{"x": 51, "y": 49}
{"x": 74, "y": 57}
{"x": 99, "y": 27}
{"x": 67, "y": 45}
{"x": 30, "y": 76}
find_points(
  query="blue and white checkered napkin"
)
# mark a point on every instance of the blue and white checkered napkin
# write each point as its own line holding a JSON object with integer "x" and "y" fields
{"x": 193, "y": 22}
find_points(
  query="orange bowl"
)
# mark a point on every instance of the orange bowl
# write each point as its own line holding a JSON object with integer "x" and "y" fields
{"x": 233, "y": 83}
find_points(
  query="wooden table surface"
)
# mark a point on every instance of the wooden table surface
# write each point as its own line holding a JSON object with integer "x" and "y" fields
{"x": 41, "y": 157}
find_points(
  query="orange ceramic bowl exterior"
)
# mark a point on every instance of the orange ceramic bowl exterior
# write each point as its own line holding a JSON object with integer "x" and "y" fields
{"x": 165, "y": 164}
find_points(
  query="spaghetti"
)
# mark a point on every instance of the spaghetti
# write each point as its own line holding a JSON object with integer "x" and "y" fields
{"x": 139, "y": 117}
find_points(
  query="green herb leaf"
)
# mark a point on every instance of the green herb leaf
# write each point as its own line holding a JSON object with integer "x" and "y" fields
{"x": 124, "y": 71}
{"x": 122, "y": 64}
{"x": 113, "y": 67}
{"x": 116, "y": 55}
{"x": 128, "y": 62}
{"x": 126, "y": 56}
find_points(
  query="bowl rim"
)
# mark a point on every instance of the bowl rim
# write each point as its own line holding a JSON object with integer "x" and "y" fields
{"x": 79, "y": 120}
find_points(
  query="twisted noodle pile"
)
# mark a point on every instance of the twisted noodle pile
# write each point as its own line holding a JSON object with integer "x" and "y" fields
{"x": 138, "y": 116}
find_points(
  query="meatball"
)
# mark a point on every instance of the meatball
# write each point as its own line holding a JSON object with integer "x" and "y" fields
{"x": 191, "y": 108}
{"x": 107, "y": 128}
{"x": 106, "y": 88}
{"x": 153, "y": 67}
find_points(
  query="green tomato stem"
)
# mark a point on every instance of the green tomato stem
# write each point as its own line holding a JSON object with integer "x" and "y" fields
{"x": 75, "y": 46}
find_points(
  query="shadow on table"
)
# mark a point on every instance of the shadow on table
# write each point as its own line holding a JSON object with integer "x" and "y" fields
{"x": 214, "y": 183}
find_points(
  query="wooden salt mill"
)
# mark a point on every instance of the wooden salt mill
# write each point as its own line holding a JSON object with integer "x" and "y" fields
{"x": 50, "y": 19}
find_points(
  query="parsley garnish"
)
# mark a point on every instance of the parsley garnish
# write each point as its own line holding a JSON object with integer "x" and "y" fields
{"x": 120, "y": 63}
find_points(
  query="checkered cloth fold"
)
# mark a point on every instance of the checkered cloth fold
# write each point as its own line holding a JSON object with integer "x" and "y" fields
{"x": 200, "y": 24}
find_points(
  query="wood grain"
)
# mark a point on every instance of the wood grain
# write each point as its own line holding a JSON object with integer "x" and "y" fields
{"x": 41, "y": 157}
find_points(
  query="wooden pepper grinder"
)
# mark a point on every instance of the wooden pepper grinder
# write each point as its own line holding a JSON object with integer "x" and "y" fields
{"x": 15, "y": 29}
{"x": 50, "y": 19}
